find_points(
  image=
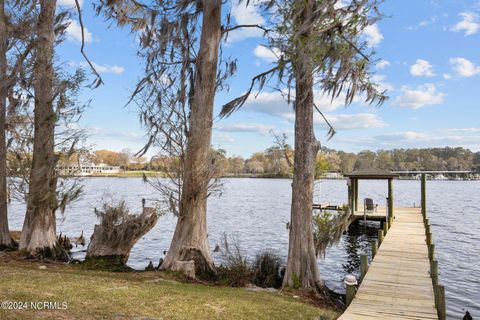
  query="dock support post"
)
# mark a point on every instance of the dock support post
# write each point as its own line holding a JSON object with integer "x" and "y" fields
{"x": 431, "y": 251}
{"x": 440, "y": 301}
{"x": 427, "y": 226}
{"x": 355, "y": 194}
{"x": 434, "y": 271}
{"x": 385, "y": 227}
{"x": 380, "y": 237}
{"x": 351, "y": 286}
{"x": 390, "y": 201}
{"x": 350, "y": 196}
{"x": 424, "y": 195}
{"x": 363, "y": 266}
{"x": 429, "y": 238}
{"x": 374, "y": 244}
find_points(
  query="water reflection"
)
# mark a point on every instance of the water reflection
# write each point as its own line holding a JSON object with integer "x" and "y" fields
{"x": 357, "y": 242}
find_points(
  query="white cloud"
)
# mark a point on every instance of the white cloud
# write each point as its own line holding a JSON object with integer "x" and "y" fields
{"x": 68, "y": 3}
{"x": 244, "y": 127}
{"x": 222, "y": 139}
{"x": 429, "y": 21}
{"x": 469, "y": 23}
{"x": 447, "y": 76}
{"x": 274, "y": 104}
{"x": 422, "y": 96}
{"x": 382, "y": 64}
{"x": 462, "y": 130}
{"x": 467, "y": 137}
{"x": 424, "y": 23}
{"x": 74, "y": 32}
{"x": 353, "y": 121}
{"x": 461, "y": 137}
{"x": 382, "y": 85}
{"x": 345, "y": 121}
{"x": 422, "y": 68}
{"x": 407, "y": 135}
{"x": 267, "y": 54}
{"x": 105, "y": 68}
{"x": 373, "y": 35}
{"x": 464, "y": 67}
{"x": 246, "y": 14}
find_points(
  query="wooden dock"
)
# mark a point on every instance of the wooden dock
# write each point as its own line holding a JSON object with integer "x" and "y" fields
{"x": 402, "y": 279}
{"x": 373, "y": 215}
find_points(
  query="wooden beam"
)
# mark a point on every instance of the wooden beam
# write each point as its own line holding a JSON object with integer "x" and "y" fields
{"x": 356, "y": 193}
{"x": 374, "y": 244}
{"x": 424, "y": 195}
{"x": 440, "y": 301}
{"x": 363, "y": 266}
{"x": 350, "y": 196}
{"x": 390, "y": 200}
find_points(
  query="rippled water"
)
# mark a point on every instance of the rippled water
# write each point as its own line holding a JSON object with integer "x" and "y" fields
{"x": 256, "y": 211}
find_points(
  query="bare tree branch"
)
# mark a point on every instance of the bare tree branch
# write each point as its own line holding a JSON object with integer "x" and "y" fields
{"x": 331, "y": 130}
{"x": 226, "y": 30}
{"x": 99, "y": 80}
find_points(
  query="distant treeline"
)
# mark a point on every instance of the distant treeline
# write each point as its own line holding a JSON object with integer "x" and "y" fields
{"x": 277, "y": 161}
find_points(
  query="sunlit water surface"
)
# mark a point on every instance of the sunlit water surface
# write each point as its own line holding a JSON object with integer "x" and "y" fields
{"x": 256, "y": 212}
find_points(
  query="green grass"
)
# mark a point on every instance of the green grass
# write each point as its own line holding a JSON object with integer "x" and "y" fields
{"x": 138, "y": 295}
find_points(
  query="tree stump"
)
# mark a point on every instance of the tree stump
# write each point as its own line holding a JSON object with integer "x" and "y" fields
{"x": 118, "y": 231}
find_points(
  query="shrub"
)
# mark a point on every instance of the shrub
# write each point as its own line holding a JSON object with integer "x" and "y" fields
{"x": 268, "y": 269}
{"x": 235, "y": 270}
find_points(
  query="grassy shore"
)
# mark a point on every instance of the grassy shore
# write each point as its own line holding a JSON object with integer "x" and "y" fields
{"x": 138, "y": 295}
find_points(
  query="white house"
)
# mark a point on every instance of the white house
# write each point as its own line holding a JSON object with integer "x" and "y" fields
{"x": 90, "y": 168}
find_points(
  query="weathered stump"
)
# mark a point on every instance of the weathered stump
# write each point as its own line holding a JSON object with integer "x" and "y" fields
{"x": 118, "y": 231}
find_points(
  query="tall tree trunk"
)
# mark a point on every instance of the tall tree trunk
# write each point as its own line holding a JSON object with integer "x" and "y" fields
{"x": 302, "y": 270}
{"x": 6, "y": 241}
{"x": 39, "y": 228}
{"x": 190, "y": 240}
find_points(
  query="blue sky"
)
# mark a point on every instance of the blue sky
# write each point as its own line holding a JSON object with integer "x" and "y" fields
{"x": 429, "y": 60}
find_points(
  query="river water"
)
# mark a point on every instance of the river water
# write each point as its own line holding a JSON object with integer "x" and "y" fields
{"x": 255, "y": 212}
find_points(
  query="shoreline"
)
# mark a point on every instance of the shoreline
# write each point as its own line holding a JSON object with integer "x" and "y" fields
{"x": 158, "y": 174}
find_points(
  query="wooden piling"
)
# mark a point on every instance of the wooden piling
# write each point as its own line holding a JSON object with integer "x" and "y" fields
{"x": 385, "y": 227}
{"x": 431, "y": 251}
{"x": 350, "y": 197}
{"x": 380, "y": 237}
{"x": 363, "y": 266}
{"x": 440, "y": 301}
{"x": 374, "y": 244}
{"x": 351, "y": 290}
{"x": 355, "y": 193}
{"x": 434, "y": 271}
{"x": 424, "y": 195}
{"x": 390, "y": 200}
{"x": 429, "y": 238}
